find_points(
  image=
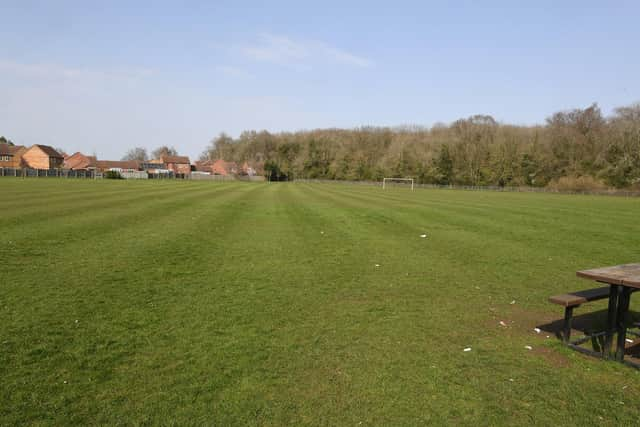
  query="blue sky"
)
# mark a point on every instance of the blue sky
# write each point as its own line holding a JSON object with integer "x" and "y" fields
{"x": 106, "y": 76}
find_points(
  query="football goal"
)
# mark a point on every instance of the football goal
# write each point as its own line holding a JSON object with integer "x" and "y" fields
{"x": 387, "y": 181}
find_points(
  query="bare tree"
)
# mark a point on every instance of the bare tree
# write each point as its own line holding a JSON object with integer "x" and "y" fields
{"x": 164, "y": 151}
{"x": 136, "y": 153}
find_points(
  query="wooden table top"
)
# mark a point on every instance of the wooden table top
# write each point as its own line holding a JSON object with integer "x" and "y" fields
{"x": 625, "y": 275}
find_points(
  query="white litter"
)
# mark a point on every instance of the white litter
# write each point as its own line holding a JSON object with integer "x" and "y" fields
{"x": 537, "y": 330}
{"x": 512, "y": 302}
{"x": 511, "y": 379}
{"x": 628, "y": 340}
{"x": 547, "y": 336}
{"x": 502, "y": 323}
{"x": 467, "y": 349}
{"x": 528, "y": 347}
{"x": 423, "y": 235}
{"x": 322, "y": 232}
{"x": 377, "y": 265}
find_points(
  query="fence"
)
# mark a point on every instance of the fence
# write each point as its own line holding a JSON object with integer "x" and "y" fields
{"x": 226, "y": 178}
{"x": 608, "y": 192}
{"x": 134, "y": 175}
{"x": 42, "y": 173}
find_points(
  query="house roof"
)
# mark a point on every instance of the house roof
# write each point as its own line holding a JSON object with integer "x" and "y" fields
{"x": 79, "y": 161}
{"x": 6, "y": 149}
{"x": 49, "y": 151}
{"x": 203, "y": 165}
{"x": 122, "y": 164}
{"x": 222, "y": 167}
{"x": 175, "y": 159}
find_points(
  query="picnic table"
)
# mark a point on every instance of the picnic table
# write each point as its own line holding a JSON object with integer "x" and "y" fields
{"x": 622, "y": 281}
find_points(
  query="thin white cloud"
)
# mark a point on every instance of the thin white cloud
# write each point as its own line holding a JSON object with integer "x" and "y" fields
{"x": 232, "y": 71}
{"x": 345, "y": 57}
{"x": 63, "y": 71}
{"x": 284, "y": 50}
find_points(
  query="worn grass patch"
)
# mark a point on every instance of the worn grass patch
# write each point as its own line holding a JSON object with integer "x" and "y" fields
{"x": 245, "y": 304}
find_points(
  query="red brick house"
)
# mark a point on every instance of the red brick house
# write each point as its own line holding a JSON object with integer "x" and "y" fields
{"x": 11, "y": 156}
{"x": 176, "y": 164}
{"x": 119, "y": 165}
{"x": 78, "y": 161}
{"x": 42, "y": 157}
{"x": 220, "y": 167}
{"x": 204, "y": 166}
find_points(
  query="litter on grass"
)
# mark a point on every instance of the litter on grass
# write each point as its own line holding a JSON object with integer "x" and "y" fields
{"x": 512, "y": 302}
{"x": 377, "y": 265}
{"x": 502, "y": 323}
{"x": 537, "y": 330}
{"x": 528, "y": 347}
{"x": 467, "y": 349}
{"x": 423, "y": 235}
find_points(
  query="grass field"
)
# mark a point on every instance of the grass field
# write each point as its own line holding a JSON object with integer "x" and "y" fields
{"x": 240, "y": 304}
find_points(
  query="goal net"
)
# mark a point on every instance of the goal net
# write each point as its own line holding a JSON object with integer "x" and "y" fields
{"x": 386, "y": 182}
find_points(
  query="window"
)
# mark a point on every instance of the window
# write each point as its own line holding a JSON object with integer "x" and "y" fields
{"x": 5, "y": 158}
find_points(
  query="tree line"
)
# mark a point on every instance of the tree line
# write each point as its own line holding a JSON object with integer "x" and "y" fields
{"x": 579, "y": 147}
{"x": 575, "y": 148}
{"x": 140, "y": 153}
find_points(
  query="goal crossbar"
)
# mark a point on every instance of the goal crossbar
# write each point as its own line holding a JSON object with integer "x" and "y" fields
{"x": 384, "y": 181}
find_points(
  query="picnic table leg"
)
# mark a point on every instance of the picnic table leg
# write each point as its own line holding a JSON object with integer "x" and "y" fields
{"x": 566, "y": 328}
{"x": 611, "y": 320}
{"x": 621, "y": 318}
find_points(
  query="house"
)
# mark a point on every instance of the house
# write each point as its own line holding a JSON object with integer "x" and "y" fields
{"x": 42, "y": 157}
{"x": 203, "y": 166}
{"x": 220, "y": 167}
{"x": 118, "y": 165}
{"x": 176, "y": 164}
{"x": 11, "y": 156}
{"x": 78, "y": 161}
{"x": 154, "y": 166}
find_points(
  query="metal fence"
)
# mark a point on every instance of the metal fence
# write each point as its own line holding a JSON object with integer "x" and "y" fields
{"x": 607, "y": 192}
{"x": 46, "y": 173}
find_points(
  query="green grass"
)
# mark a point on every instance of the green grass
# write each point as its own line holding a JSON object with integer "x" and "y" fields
{"x": 194, "y": 303}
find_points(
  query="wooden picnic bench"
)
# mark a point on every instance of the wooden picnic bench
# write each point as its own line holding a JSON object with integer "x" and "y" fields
{"x": 573, "y": 300}
{"x": 621, "y": 281}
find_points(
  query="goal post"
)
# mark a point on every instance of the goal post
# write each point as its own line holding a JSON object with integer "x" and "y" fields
{"x": 385, "y": 180}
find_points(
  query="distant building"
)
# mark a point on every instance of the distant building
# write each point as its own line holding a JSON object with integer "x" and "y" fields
{"x": 42, "y": 157}
{"x": 78, "y": 161}
{"x": 203, "y": 166}
{"x": 11, "y": 156}
{"x": 221, "y": 167}
{"x": 118, "y": 165}
{"x": 176, "y": 164}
